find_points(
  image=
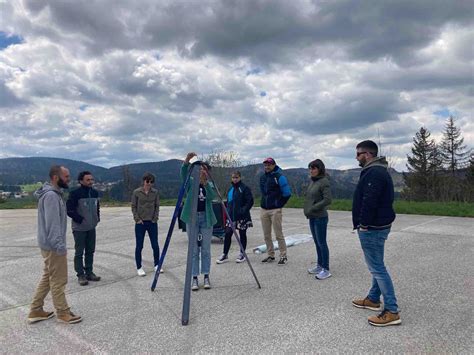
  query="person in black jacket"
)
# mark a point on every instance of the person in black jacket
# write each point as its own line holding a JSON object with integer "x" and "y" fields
{"x": 372, "y": 216}
{"x": 84, "y": 209}
{"x": 275, "y": 194}
{"x": 239, "y": 203}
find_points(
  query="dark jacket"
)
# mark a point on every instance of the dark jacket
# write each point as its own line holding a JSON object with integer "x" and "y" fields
{"x": 275, "y": 189}
{"x": 239, "y": 202}
{"x": 145, "y": 206}
{"x": 84, "y": 208}
{"x": 372, "y": 205}
{"x": 318, "y": 198}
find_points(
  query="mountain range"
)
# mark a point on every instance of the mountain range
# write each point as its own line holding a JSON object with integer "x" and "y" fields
{"x": 123, "y": 178}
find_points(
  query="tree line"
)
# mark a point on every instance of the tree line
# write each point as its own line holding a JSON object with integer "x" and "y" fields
{"x": 440, "y": 171}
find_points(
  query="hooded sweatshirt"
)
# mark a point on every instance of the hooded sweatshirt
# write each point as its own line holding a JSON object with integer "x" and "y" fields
{"x": 372, "y": 205}
{"x": 52, "y": 219}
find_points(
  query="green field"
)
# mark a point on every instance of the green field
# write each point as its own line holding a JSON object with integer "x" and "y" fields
{"x": 454, "y": 209}
{"x": 30, "y": 187}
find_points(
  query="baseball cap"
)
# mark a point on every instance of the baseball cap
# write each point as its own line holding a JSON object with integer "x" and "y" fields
{"x": 270, "y": 161}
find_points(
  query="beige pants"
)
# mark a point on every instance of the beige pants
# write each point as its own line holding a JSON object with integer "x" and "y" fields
{"x": 54, "y": 279}
{"x": 269, "y": 218}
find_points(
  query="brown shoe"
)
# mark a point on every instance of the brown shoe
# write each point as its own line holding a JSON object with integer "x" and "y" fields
{"x": 69, "y": 318}
{"x": 39, "y": 315}
{"x": 366, "y": 303}
{"x": 385, "y": 318}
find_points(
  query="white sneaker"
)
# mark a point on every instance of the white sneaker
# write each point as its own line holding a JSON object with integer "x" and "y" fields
{"x": 161, "y": 270}
{"x": 141, "y": 272}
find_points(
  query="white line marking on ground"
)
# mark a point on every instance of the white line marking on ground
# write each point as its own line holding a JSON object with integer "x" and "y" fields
{"x": 421, "y": 224}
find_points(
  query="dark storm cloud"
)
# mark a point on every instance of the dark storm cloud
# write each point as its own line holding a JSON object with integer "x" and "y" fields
{"x": 265, "y": 31}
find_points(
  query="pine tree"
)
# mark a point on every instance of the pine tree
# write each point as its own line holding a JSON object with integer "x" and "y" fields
{"x": 454, "y": 152}
{"x": 420, "y": 166}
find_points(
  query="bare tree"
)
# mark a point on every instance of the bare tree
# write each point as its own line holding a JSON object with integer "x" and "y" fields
{"x": 222, "y": 163}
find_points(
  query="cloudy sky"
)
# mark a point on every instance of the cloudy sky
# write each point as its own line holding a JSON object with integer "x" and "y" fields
{"x": 112, "y": 82}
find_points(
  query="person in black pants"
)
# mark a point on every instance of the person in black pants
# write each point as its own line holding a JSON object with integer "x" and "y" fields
{"x": 146, "y": 209}
{"x": 239, "y": 203}
{"x": 84, "y": 209}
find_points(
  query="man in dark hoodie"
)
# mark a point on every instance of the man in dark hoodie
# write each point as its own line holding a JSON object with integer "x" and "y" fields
{"x": 275, "y": 194}
{"x": 52, "y": 224}
{"x": 84, "y": 209}
{"x": 372, "y": 216}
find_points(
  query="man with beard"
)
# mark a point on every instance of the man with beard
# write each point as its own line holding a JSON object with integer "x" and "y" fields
{"x": 83, "y": 207}
{"x": 372, "y": 216}
{"x": 52, "y": 224}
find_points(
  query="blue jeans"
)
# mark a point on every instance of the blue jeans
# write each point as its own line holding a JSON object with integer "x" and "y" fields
{"x": 205, "y": 245}
{"x": 373, "y": 243}
{"x": 319, "y": 228}
{"x": 140, "y": 230}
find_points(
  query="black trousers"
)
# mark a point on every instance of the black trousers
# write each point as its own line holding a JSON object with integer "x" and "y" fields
{"x": 84, "y": 243}
{"x": 228, "y": 239}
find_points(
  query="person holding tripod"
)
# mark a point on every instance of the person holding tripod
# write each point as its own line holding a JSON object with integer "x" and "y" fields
{"x": 239, "y": 203}
{"x": 204, "y": 223}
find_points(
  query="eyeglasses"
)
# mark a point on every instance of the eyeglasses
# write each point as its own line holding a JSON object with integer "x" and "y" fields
{"x": 359, "y": 153}
{"x": 149, "y": 181}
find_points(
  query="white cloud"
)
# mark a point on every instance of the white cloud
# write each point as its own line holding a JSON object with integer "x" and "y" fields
{"x": 115, "y": 82}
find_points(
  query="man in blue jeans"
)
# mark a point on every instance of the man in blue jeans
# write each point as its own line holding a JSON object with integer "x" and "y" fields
{"x": 372, "y": 216}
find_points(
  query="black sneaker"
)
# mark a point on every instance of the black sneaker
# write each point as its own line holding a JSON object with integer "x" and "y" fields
{"x": 222, "y": 259}
{"x": 92, "y": 277}
{"x": 283, "y": 261}
{"x": 268, "y": 259}
{"x": 82, "y": 280}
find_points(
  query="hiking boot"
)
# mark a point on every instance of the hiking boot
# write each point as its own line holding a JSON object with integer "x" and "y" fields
{"x": 315, "y": 270}
{"x": 367, "y": 304}
{"x": 82, "y": 280}
{"x": 268, "y": 259}
{"x": 195, "y": 284}
{"x": 283, "y": 261}
{"x": 141, "y": 272}
{"x": 240, "y": 258}
{"x": 92, "y": 277}
{"x": 222, "y": 259}
{"x": 207, "y": 283}
{"x": 385, "y": 318}
{"x": 39, "y": 315}
{"x": 323, "y": 274}
{"x": 69, "y": 318}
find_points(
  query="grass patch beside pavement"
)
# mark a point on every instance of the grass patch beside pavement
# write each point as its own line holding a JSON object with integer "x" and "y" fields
{"x": 452, "y": 209}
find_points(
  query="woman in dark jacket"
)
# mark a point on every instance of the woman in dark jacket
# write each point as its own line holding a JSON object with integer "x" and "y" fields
{"x": 318, "y": 198}
{"x": 239, "y": 203}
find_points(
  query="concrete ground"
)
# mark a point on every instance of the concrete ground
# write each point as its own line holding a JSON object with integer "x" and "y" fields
{"x": 429, "y": 258}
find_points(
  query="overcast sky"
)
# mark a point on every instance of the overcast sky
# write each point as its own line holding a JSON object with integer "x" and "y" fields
{"x": 114, "y": 82}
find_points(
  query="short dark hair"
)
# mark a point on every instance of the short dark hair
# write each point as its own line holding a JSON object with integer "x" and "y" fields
{"x": 369, "y": 146}
{"x": 236, "y": 172}
{"x": 148, "y": 177}
{"x": 318, "y": 163}
{"x": 81, "y": 175}
{"x": 55, "y": 170}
